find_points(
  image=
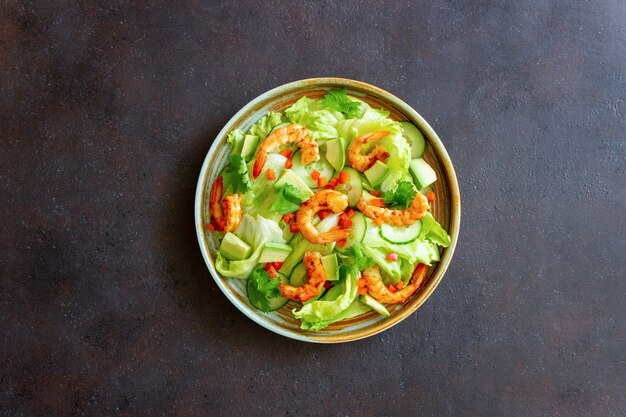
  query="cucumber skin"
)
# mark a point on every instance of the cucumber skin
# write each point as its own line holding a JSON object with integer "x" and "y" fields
{"x": 415, "y": 137}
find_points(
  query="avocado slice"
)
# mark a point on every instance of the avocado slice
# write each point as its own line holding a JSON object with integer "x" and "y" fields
{"x": 335, "y": 153}
{"x": 290, "y": 177}
{"x": 275, "y": 252}
{"x": 377, "y": 173}
{"x": 234, "y": 249}
{"x": 422, "y": 173}
{"x": 369, "y": 301}
{"x": 329, "y": 262}
{"x": 250, "y": 143}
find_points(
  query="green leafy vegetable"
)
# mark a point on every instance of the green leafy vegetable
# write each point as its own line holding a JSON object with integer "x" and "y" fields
{"x": 337, "y": 99}
{"x": 235, "y": 140}
{"x": 288, "y": 199}
{"x": 318, "y": 119}
{"x": 259, "y": 199}
{"x": 265, "y": 124}
{"x": 401, "y": 197}
{"x": 357, "y": 258}
{"x": 236, "y": 180}
{"x": 431, "y": 230}
{"x": 262, "y": 289}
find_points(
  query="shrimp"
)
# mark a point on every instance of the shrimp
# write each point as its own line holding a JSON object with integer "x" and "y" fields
{"x": 380, "y": 292}
{"x": 397, "y": 217}
{"x": 363, "y": 161}
{"x": 322, "y": 199}
{"x": 226, "y": 213}
{"x": 309, "y": 151}
{"x": 314, "y": 283}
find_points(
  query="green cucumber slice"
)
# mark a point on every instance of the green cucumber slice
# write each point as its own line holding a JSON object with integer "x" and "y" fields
{"x": 275, "y": 302}
{"x": 322, "y": 166}
{"x": 298, "y": 276}
{"x": 357, "y": 232}
{"x": 400, "y": 235}
{"x": 329, "y": 262}
{"x": 422, "y": 173}
{"x": 250, "y": 143}
{"x": 274, "y": 252}
{"x": 353, "y": 188}
{"x": 415, "y": 138}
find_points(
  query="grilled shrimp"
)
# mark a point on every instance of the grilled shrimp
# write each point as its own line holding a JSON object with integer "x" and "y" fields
{"x": 294, "y": 133}
{"x": 322, "y": 199}
{"x": 226, "y": 213}
{"x": 380, "y": 292}
{"x": 314, "y": 283}
{"x": 363, "y": 161}
{"x": 397, "y": 217}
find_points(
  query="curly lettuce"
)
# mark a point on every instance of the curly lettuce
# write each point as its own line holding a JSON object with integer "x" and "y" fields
{"x": 312, "y": 114}
{"x": 265, "y": 124}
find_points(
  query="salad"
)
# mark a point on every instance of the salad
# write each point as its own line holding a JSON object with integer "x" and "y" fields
{"x": 326, "y": 205}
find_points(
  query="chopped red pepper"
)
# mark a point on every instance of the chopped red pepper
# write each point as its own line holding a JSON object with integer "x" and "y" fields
{"x": 344, "y": 221}
{"x": 344, "y": 177}
{"x": 341, "y": 243}
{"x": 322, "y": 181}
{"x": 293, "y": 228}
{"x": 392, "y": 256}
{"x": 286, "y": 153}
{"x": 277, "y": 265}
{"x": 377, "y": 202}
{"x": 210, "y": 227}
{"x": 430, "y": 196}
{"x": 289, "y": 163}
{"x": 323, "y": 213}
{"x": 332, "y": 183}
{"x": 327, "y": 284}
{"x": 315, "y": 174}
{"x": 362, "y": 291}
{"x": 270, "y": 174}
{"x": 375, "y": 193}
{"x": 400, "y": 285}
{"x": 392, "y": 289}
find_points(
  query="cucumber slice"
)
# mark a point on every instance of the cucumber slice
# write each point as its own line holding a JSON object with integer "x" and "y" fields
{"x": 298, "y": 275}
{"x": 415, "y": 138}
{"x": 250, "y": 143}
{"x": 233, "y": 248}
{"x": 353, "y": 188}
{"x": 371, "y": 302}
{"x": 322, "y": 166}
{"x": 274, "y": 252}
{"x": 275, "y": 302}
{"x": 357, "y": 232}
{"x": 287, "y": 233}
{"x": 377, "y": 173}
{"x": 289, "y": 177}
{"x": 422, "y": 173}
{"x": 329, "y": 262}
{"x": 278, "y": 126}
{"x": 400, "y": 235}
{"x": 336, "y": 153}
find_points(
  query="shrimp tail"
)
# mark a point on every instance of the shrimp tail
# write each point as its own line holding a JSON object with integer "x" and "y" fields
{"x": 259, "y": 163}
{"x": 335, "y": 235}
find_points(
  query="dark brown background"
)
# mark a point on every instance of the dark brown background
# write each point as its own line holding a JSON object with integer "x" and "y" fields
{"x": 107, "y": 111}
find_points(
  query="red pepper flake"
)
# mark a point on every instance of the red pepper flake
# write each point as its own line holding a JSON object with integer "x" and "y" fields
{"x": 289, "y": 163}
{"x": 430, "y": 196}
{"x": 270, "y": 174}
{"x": 392, "y": 256}
{"x": 375, "y": 193}
{"x": 322, "y": 181}
{"x": 344, "y": 177}
{"x": 286, "y": 153}
{"x": 293, "y": 228}
{"x": 315, "y": 174}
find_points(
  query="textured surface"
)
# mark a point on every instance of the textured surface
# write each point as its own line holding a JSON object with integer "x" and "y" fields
{"x": 106, "y": 113}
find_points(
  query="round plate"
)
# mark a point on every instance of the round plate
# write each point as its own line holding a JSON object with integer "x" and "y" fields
{"x": 447, "y": 209}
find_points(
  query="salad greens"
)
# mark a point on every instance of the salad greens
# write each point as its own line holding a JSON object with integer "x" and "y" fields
{"x": 268, "y": 232}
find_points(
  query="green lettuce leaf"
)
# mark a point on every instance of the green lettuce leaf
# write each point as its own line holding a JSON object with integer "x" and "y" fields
{"x": 313, "y": 115}
{"x": 431, "y": 230}
{"x": 255, "y": 231}
{"x": 320, "y": 313}
{"x": 288, "y": 199}
{"x": 262, "y": 194}
{"x": 235, "y": 140}
{"x": 265, "y": 124}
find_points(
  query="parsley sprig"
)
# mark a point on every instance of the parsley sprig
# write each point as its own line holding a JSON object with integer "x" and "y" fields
{"x": 337, "y": 99}
{"x": 261, "y": 287}
{"x": 401, "y": 197}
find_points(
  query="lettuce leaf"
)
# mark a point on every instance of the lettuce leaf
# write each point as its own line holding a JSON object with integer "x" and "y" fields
{"x": 265, "y": 124}
{"x": 320, "y": 313}
{"x": 431, "y": 230}
{"x": 262, "y": 194}
{"x": 313, "y": 115}
{"x": 255, "y": 231}
{"x": 235, "y": 140}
